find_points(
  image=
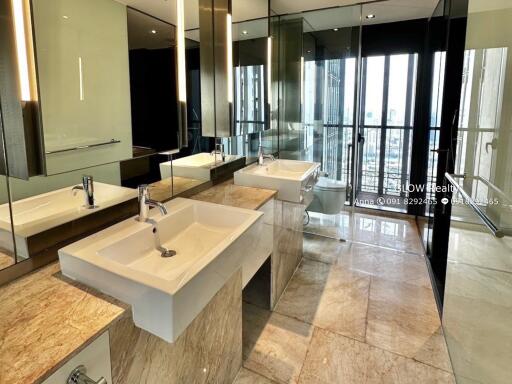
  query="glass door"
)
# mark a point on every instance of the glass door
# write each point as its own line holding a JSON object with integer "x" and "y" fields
{"x": 388, "y": 89}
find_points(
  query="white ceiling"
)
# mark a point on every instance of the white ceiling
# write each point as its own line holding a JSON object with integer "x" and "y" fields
{"x": 166, "y": 10}
{"x": 488, "y": 5}
{"x": 140, "y": 27}
{"x": 282, "y": 7}
{"x": 387, "y": 11}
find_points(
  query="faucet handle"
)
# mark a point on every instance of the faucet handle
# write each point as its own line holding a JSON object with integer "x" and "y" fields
{"x": 143, "y": 191}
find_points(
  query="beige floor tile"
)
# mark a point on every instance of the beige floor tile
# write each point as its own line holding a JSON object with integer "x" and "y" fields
{"x": 329, "y": 297}
{"x": 394, "y": 233}
{"x": 274, "y": 345}
{"x": 435, "y": 352}
{"x": 389, "y": 264}
{"x": 403, "y": 318}
{"x": 248, "y": 377}
{"x": 334, "y": 359}
{"x": 400, "y": 234}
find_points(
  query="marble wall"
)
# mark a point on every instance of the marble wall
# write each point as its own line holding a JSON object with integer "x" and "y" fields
{"x": 287, "y": 254}
{"x": 209, "y": 351}
{"x": 477, "y": 309}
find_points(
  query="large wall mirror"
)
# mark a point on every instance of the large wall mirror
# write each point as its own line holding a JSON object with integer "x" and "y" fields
{"x": 107, "y": 82}
{"x": 107, "y": 90}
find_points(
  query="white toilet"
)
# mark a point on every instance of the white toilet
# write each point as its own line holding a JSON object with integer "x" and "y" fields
{"x": 329, "y": 196}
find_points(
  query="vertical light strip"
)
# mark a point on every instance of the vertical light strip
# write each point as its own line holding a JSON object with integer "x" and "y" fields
{"x": 81, "y": 75}
{"x": 229, "y": 46}
{"x": 269, "y": 70}
{"x": 180, "y": 36}
{"x": 302, "y": 80}
{"x": 21, "y": 49}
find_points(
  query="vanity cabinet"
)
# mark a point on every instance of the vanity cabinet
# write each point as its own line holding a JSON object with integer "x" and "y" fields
{"x": 84, "y": 82}
{"x": 95, "y": 358}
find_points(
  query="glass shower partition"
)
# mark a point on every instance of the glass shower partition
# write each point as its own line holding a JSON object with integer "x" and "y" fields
{"x": 318, "y": 71}
{"x": 477, "y": 310}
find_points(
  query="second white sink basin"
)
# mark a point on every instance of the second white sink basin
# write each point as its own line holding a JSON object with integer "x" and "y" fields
{"x": 293, "y": 180}
{"x": 166, "y": 293}
{"x": 196, "y": 166}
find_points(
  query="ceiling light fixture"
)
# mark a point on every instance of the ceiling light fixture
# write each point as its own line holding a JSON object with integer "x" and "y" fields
{"x": 335, "y": 29}
{"x": 370, "y": 16}
{"x": 229, "y": 45}
{"x": 153, "y": 32}
{"x": 245, "y": 32}
{"x": 180, "y": 39}
{"x": 269, "y": 71}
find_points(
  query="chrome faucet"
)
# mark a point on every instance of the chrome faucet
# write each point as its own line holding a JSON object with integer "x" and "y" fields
{"x": 88, "y": 190}
{"x": 219, "y": 150}
{"x": 145, "y": 202}
{"x": 261, "y": 154}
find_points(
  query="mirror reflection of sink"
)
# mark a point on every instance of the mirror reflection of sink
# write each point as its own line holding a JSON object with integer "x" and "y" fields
{"x": 166, "y": 293}
{"x": 40, "y": 213}
{"x": 293, "y": 180}
{"x": 196, "y": 166}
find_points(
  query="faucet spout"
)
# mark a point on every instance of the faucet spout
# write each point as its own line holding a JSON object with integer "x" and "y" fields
{"x": 157, "y": 204}
{"x": 88, "y": 191}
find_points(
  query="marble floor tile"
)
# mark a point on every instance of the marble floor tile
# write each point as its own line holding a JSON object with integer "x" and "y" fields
{"x": 394, "y": 233}
{"x": 329, "y": 297}
{"x": 400, "y": 234}
{"x": 403, "y": 318}
{"x": 373, "y": 260}
{"x": 334, "y": 359}
{"x": 435, "y": 352}
{"x": 324, "y": 249}
{"x": 477, "y": 318}
{"x": 274, "y": 345}
{"x": 249, "y": 377}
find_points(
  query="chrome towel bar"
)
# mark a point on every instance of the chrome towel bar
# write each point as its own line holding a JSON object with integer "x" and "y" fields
{"x": 478, "y": 211}
{"x": 112, "y": 141}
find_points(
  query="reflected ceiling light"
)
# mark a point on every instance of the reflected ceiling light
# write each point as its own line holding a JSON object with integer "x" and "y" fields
{"x": 370, "y": 16}
{"x": 245, "y": 32}
{"x": 335, "y": 29}
{"x": 269, "y": 70}
{"x": 180, "y": 37}
{"x": 65, "y": 17}
{"x": 153, "y": 31}
{"x": 229, "y": 45}
{"x": 24, "y": 49}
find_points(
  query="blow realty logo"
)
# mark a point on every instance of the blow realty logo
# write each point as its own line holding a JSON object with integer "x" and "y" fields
{"x": 430, "y": 188}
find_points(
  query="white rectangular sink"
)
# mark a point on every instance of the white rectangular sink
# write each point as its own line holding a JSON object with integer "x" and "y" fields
{"x": 196, "y": 166}
{"x": 293, "y": 180}
{"x": 39, "y": 213}
{"x": 166, "y": 293}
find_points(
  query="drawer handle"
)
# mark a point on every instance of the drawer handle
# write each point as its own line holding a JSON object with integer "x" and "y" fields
{"x": 78, "y": 376}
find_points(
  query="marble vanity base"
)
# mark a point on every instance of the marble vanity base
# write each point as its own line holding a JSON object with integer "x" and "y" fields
{"x": 209, "y": 351}
{"x": 287, "y": 253}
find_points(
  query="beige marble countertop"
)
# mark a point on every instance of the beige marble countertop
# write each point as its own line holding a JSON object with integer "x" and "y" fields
{"x": 45, "y": 319}
{"x": 175, "y": 186}
{"x": 227, "y": 193}
{"x": 6, "y": 260}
